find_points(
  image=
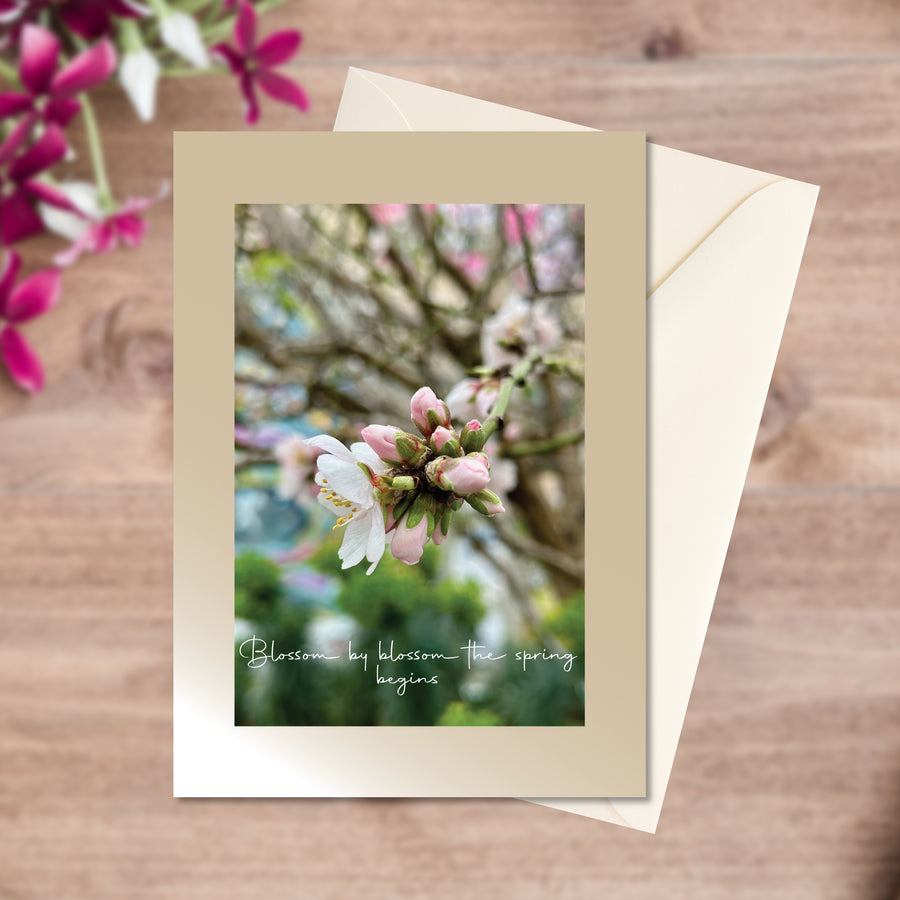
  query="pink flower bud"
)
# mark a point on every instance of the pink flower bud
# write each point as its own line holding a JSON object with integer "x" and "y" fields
{"x": 394, "y": 445}
{"x": 382, "y": 439}
{"x": 486, "y": 502}
{"x": 441, "y": 436}
{"x": 474, "y": 425}
{"x": 428, "y": 412}
{"x": 408, "y": 544}
{"x": 467, "y": 475}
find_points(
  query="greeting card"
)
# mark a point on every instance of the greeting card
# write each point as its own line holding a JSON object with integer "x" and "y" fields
{"x": 410, "y": 469}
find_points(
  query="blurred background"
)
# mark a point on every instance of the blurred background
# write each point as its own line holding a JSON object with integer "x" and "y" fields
{"x": 787, "y": 779}
{"x": 341, "y": 314}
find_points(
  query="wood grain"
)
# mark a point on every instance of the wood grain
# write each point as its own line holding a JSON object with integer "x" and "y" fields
{"x": 479, "y": 30}
{"x": 787, "y": 780}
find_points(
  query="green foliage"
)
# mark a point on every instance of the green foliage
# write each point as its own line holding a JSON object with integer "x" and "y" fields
{"x": 567, "y": 623}
{"x": 460, "y": 713}
{"x": 257, "y": 587}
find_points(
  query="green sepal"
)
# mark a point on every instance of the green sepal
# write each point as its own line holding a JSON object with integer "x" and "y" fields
{"x": 450, "y": 448}
{"x": 420, "y": 507}
{"x": 473, "y": 441}
{"x": 400, "y": 507}
{"x": 446, "y": 518}
{"x": 410, "y": 448}
{"x": 477, "y": 504}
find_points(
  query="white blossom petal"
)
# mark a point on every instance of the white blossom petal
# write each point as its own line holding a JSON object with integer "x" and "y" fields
{"x": 180, "y": 33}
{"x": 377, "y": 539}
{"x": 347, "y": 479}
{"x": 356, "y": 536}
{"x": 363, "y": 453}
{"x": 330, "y": 445}
{"x": 138, "y": 74}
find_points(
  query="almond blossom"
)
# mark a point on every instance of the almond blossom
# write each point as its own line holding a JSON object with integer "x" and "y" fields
{"x": 297, "y": 466}
{"x": 346, "y": 479}
{"x": 412, "y": 487}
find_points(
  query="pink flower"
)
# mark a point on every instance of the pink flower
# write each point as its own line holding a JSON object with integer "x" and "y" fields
{"x": 531, "y": 217}
{"x": 474, "y": 265}
{"x": 297, "y": 461}
{"x": 91, "y": 19}
{"x": 466, "y": 475}
{"x": 254, "y": 64}
{"x": 50, "y": 92}
{"x": 18, "y": 304}
{"x": 408, "y": 544}
{"x": 20, "y": 191}
{"x": 388, "y": 213}
{"x": 428, "y": 412}
{"x": 125, "y": 226}
{"x": 473, "y": 397}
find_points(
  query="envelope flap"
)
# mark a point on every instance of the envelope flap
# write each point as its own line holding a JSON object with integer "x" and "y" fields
{"x": 688, "y": 196}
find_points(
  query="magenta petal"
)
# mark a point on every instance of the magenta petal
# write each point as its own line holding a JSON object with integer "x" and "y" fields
{"x": 11, "y": 266}
{"x": 85, "y": 71}
{"x": 21, "y": 361}
{"x": 226, "y": 52}
{"x": 17, "y": 137}
{"x": 38, "y": 55}
{"x": 128, "y": 9}
{"x": 43, "y": 154}
{"x": 283, "y": 89}
{"x": 11, "y": 104}
{"x": 132, "y": 229}
{"x": 245, "y": 28}
{"x": 50, "y": 195}
{"x": 18, "y": 220}
{"x": 61, "y": 111}
{"x": 278, "y": 48}
{"x": 89, "y": 19}
{"x": 84, "y": 243}
{"x": 34, "y": 296}
{"x": 251, "y": 105}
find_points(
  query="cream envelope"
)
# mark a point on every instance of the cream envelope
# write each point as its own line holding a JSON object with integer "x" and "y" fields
{"x": 724, "y": 245}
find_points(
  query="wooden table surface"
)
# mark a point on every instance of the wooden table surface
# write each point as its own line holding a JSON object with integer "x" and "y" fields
{"x": 787, "y": 779}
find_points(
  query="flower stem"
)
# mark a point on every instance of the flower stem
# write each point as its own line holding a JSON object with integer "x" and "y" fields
{"x": 504, "y": 395}
{"x": 104, "y": 193}
{"x": 546, "y": 445}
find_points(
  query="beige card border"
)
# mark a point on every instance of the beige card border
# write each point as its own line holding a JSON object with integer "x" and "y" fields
{"x": 604, "y": 758}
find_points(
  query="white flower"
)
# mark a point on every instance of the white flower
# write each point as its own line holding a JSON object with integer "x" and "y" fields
{"x": 518, "y": 326}
{"x": 138, "y": 74}
{"x": 85, "y": 197}
{"x": 347, "y": 491}
{"x": 473, "y": 398}
{"x": 180, "y": 33}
